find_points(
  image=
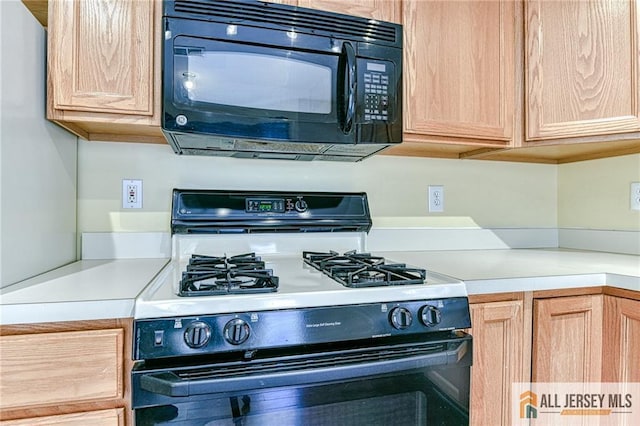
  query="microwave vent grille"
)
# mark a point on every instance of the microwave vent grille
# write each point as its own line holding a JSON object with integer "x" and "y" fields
{"x": 288, "y": 17}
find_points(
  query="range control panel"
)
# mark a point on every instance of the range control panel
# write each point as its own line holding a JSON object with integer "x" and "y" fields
{"x": 208, "y": 334}
{"x": 218, "y": 211}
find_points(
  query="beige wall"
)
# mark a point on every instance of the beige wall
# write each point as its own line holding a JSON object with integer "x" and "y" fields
{"x": 477, "y": 193}
{"x": 595, "y": 194}
{"x": 38, "y": 158}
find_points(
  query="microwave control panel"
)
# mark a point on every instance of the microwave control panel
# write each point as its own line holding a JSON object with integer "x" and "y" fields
{"x": 377, "y": 79}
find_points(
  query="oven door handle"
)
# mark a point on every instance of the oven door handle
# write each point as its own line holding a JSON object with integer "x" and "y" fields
{"x": 170, "y": 384}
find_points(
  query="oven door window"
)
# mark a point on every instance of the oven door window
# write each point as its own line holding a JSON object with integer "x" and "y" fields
{"x": 254, "y": 80}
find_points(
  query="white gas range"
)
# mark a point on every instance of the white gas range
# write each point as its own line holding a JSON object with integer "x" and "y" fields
{"x": 271, "y": 312}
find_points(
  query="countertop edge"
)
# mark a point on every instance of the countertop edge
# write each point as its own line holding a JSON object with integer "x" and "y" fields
{"x": 43, "y": 312}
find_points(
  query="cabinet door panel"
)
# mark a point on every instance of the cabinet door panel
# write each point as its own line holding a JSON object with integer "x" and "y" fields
{"x": 114, "y": 417}
{"x": 460, "y": 57}
{"x": 52, "y": 368}
{"x": 103, "y": 55}
{"x": 383, "y": 10}
{"x": 497, "y": 360}
{"x": 582, "y": 68}
{"x": 621, "y": 358}
{"x": 568, "y": 339}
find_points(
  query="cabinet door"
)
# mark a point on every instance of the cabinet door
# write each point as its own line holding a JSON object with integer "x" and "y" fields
{"x": 498, "y": 360}
{"x": 57, "y": 368}
{"x": 383, "y": 10}
{"x": 460, "y": 79}
{"x": 567, "y": 336}
{"x": 621, "y": 348}
{"x": 101, "y": 56}
{"x": 582, "y": 68}
{"x": 289, "y": 2}
{"x": 112, "y": 417}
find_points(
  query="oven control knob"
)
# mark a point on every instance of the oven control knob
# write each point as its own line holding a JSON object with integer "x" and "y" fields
{"x": 400, "y": 318}
{"x": 236, "y": 331}
{"x": 197, "y": 334}
{"x": 430, "y": 315}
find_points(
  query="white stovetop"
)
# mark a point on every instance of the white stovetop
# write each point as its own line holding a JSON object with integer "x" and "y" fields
{"x": 300, "y": 285}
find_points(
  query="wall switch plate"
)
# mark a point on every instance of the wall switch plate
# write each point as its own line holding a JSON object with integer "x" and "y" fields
{"x": 436, "y": 198}
{"x": 132, "y": 193}
{"x": 635, "y": 196}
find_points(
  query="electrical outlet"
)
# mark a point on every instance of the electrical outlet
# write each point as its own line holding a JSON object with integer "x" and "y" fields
{"x": 436, "y": 198}
{"x": 635, "y": 196}
{"x": 131, "y": 193}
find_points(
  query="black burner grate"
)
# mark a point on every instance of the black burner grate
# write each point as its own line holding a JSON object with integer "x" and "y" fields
{"x": 353, "y": 269}
{"x": 213, "y": 275}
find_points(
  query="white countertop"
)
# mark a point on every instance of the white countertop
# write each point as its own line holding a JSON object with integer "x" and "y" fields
{"x": 495, "y": 271}
{"x": 83, "y": 290}
{"x": 99, "y": 289}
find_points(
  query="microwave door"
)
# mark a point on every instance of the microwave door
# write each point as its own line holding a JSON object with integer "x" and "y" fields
{"x": 261, "y": 92}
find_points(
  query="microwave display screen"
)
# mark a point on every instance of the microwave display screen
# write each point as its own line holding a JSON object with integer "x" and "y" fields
{"x": 260, "y": 81}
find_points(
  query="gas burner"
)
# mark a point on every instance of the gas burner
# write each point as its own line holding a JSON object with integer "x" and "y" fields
{"x": 353, "y": 269}
{"x": 219, "y": 275}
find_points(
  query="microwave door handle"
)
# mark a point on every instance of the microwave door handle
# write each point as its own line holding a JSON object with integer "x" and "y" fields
{"x": 349, "y": 91}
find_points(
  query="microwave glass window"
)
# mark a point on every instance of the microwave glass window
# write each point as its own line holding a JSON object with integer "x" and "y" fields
{"x": 258, "y": 81}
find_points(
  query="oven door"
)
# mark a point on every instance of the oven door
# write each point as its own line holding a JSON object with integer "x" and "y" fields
{"x": 409, "y": 383}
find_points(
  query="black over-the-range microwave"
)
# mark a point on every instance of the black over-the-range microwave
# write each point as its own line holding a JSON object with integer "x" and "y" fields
{"x": 249, "y": 79}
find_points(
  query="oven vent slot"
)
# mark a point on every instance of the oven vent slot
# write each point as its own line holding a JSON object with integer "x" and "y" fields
{"x": 304, "y": 20}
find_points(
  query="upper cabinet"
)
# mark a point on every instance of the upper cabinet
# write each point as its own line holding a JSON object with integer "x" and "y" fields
{"x": 582, "y": 81}
{"x": 582, "y": 68}
{"x": 533, "y": 80}
{"x": 383, "y": 10}
{"x": 460, "y": 79}
{"x": 104, "y": 69}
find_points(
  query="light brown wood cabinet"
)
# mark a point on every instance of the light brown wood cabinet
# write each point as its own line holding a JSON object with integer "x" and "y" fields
{"x": 501, "y": 348}
{"x": 460, "y": 79}
{"x": 582, "y": 81}
{"x": 582, "y": 68}
{"x": 579, "y": 335}
{"x": 567, "y": 336}
{"x": 534, "y": 81}
{"x": 65, "y": 373}
{"x": 621, "y": 340}
{"x": 383, "y": 10}
{"x": 111, "y": 417}
{"x": 103, "y": 64}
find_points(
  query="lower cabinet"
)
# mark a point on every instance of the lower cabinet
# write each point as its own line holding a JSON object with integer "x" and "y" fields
{"x": 549, "y": 337}
{"x": 72, "y": 373}
{"x": 567, "y": 339}
{"x": 501, "y": 355}
{"x": 621, "y": 340}
{"x": 113, "y": 417}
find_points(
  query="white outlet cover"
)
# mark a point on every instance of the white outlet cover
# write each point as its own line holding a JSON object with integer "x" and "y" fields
{"x": 634, "y": 196}
{"x": 436, "y": 198}
{"x": 136, "y": 186}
